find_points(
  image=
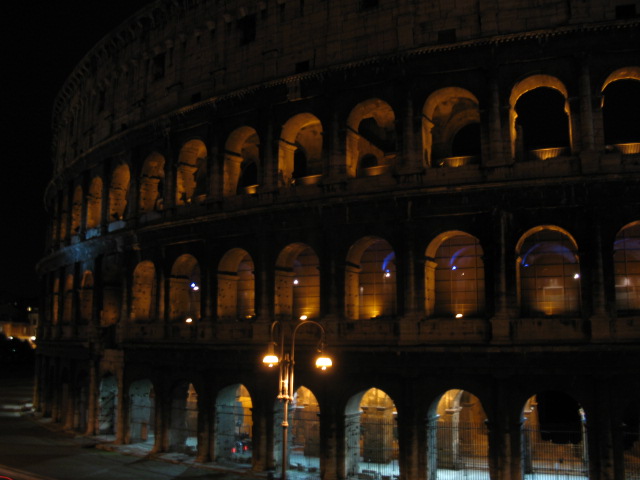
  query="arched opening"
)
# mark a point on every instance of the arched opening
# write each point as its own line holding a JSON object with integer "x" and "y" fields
{"x": 303, "y": 449}
{"x": 184, "y": 289}
{"x": 142, "y": 409}
{"x": 626, "y": 262}
{"x": 297, "y": 292}
{"x": 554, "y": 437}
{"x": 300, "y": 150}
{"x": 631, "y": 440}
{"x": 371, "y": 436}
{"x": 457, "y": 438}
{"x": 371, "y": 133}
{"x": 539, "y": 118}
{"x": 86, "y": 297}
{"x": 107, "y": 406}
{"x": 241, "y": 160}
{"x": 118, "y": 192}
{"x": 76, "y": 210}
{"x": 111, "y": 296}
{"x": 191, "y": 173}
{"x": 236, "y": 286}
{"x": 151, "y": 183}
{"x": 234, "y": 426}
{"x": 370, "y": 279}
{"x": 183, "y": 422}
{"x": 548, "y": 273}
{"x": 620, "y": 104}
{"x": 451, "y": 128}
{"x": 143, "y": 292}
{"x": 454, "y": 276}
{"x": 94, "y": 203}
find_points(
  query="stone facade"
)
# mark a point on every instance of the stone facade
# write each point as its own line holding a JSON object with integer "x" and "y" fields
{"x": 450, "y": 188}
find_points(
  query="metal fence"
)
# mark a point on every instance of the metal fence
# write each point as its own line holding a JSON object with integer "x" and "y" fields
{"x": 557, "y": 454}
{"x": 461, "y": 451}
{"x": 233, "y": 435}
{"x": 631, "y": 456}
{"x": 378, "y": 450}
{"x": 304, "y": 446}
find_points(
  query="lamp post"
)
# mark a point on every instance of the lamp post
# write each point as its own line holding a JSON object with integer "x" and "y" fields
{"x": 286, "y": 362}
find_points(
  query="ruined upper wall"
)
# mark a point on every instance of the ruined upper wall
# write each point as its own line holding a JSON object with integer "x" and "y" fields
{"x": 173, "y": 54}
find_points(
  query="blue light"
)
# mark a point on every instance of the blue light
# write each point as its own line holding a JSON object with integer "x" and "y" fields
{"x": 454, "y": 268}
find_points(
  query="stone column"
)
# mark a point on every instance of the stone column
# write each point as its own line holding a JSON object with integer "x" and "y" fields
{"x": 412, "y": 149}
{"x": 122, "y": 414}
{"x": 600, "y": 321}
{"x": 203, "y": 453}
{"x": 496, "y": 140}
{"x": 92, "y": 407}
{"x": 408, "y": 435}
{"x": 500, "y": 322}
{"x": 337, "y": 161}
{"x": 599, "y": 437}
{"x": 586, "y": 115}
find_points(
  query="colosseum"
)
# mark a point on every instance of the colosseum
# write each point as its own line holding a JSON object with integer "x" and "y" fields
{"x": 287, "y": 176}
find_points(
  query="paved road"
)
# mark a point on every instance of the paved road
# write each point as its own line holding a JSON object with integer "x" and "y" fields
{"x": 30, "y": 451}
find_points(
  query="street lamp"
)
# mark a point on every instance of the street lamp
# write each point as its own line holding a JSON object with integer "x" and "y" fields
{"x": 286, "y": 362}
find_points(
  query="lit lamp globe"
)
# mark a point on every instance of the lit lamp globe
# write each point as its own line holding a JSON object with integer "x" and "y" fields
{"x": 270, "y": 359}
{"x": 323, "y": 362}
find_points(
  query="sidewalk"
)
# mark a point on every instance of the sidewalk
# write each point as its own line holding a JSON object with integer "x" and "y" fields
{"x": 34, "y": 449}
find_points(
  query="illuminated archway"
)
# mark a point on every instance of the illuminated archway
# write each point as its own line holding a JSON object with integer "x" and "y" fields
{"x": 626, "y": 262}
{"x": 371, "y": 435}
{"x": 76, "y": 210}
{"x": 142, "y": 407}
{"x": 371, "y": 138}
{"x": 85, "y": 297}
{"x": 241, "y": 162}
{"x": 184, "y": 289}
{"x": 554, "y": 437}
{"x": 457, "y": 438}
{"x": 454, "y": 276}
{"x": 236, "y": 286}
{"x": 300, "y": 149}
{"x": 118, "y": 192}
{"x": 183, "y": 419}
{"x": 94, "y": 203}
{"x": 107, "y": 406}
{"x": 548, "y": 272}
{"x": 143, "y": 291}
{"x": 370, "y": 279}
{"x": 620, "y": 104}
{"x": 540, "y": 124}
{"x": 450, "y": 128}
{"x": 297, "y": 292}
{"x": 151, "y": 183}
{"x": 234, "y": 425}
{"x": 191, "y": 173}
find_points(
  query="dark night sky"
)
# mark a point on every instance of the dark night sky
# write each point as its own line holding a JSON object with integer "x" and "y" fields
{"x": 41, "y": 43}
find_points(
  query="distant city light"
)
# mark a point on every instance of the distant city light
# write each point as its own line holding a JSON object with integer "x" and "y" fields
{"x": 189, "y": 320}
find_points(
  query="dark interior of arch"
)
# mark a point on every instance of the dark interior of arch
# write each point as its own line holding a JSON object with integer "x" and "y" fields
{"x": 249, "y": 176}
{"x": 631, "y": 425}
{"x": 466, "y": 141}
{"x": 559, "y": 416}
{"x": 542, "y": 119}
{"x": 299, "y": 163}
{"x": 621, "y": 112}
{"x": 378, "y": 136}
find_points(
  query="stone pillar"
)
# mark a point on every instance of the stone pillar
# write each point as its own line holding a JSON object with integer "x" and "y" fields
{"x": 496, "y": 140}
{"x": 270, "y": 165}
{"x": 599, "y": 438}
{"x": 600, "y": 321}
{"x": 122, "y": 413}
{"x": 262, "y": 437}
{"x": 408, "y": 435}
{"x": 332, "y": 442}
{"x": 203, "y": 453}
{"x": 337, "y": 161}
{"x": 92, "y": 407}
{"x": 500, "y": 329}
{"x": 586, "y": 115}
{"x": 412, "y": 149}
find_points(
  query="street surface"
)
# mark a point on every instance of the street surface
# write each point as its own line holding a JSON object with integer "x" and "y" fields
{"x": 32, "y": 450}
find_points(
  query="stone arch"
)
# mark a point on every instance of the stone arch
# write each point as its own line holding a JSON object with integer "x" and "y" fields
{"x": 620, "y": 105}
{"x": 548, "y": 272}
{"x": 143, "y": 292}
{"x": 445, "y": 116}
{"x": 371, "y": 137}
{"x": 297, "y": 282}
{"x": 300, "y": 150}
{"x": 107, "y": 406}
{"x": 371, "y": 435}
{"x": 85, "y": 297}
{"x": 94, "y": 203}
{"x": 142, "y": 413}
{"x": 236, "y": 286}
{"x": 626, "y": 262}
{"x": 118, "y": 190}
{"x": 76, "y": 210}
{"x": 152, "y": 183}
{"x": 234, "y": 425}
{"x": 184, "y": 289}
{"x": 303, "y": 449}
{"x": 183, "y": 419}
{"x": 370, "y": 279}
{"x": 191, "y": 172}
{"x": 454, "y": 276}
{"x": 548, "y": 84}
{"x": 457, "y": 436}
{"x": 241, "y": 162}
{"x": 554, "y": 436}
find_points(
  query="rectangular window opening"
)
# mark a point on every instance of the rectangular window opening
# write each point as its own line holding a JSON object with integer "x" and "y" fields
{"x": 247, "y": 27}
